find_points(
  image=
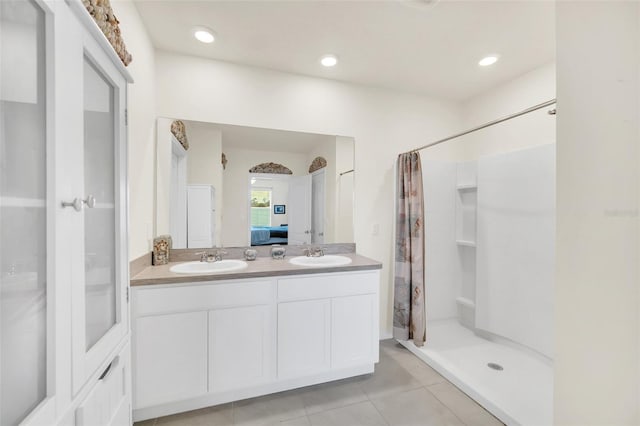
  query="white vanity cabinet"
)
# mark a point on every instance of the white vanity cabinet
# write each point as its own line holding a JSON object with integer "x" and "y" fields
{"x": 200, "y": 339}
{"x": 208, "y": 343}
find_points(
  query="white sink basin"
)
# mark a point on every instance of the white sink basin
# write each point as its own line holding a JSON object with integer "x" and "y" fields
{"x": 322, "y": 261}
{"x": 196, "y": 267}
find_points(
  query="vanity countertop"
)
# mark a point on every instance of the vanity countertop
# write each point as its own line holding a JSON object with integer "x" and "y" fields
{"x": 261, "y": 267}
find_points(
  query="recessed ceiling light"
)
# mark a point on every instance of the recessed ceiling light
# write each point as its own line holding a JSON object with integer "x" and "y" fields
{"x": 203, "y": 34}
{"x": 488, "y": 60}
{"x": 329, "y": 60}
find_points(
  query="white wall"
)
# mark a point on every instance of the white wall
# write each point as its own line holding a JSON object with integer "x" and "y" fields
{"x": 383, "y": 123}
{"x": 235, "y": 206}
{"x": 596, "y": 312}
{"x": 344, "y": 189}
{"x": 141, "y": 104}
{"x": 535, "y": 128}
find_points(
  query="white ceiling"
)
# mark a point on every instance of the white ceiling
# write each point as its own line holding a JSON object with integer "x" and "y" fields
{"x": 408, "y": 45}
{"x": 255, "y": 138}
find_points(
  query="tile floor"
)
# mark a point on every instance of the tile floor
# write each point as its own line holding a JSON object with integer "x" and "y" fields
{"x": 403, "y": 391}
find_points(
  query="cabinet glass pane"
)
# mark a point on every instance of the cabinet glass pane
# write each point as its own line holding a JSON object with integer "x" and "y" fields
{"x": 23, "y": 212}
{"x": 99, "y": 220}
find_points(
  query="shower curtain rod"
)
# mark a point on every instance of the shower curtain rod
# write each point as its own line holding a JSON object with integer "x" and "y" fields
{"x": 490, "y": 123}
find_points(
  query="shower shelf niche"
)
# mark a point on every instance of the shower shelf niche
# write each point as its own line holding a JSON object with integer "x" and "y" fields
{"x": 464, "y": 301}
{"x": 466, "y": 243}
{"x": 466, "y": 199}
{"x": 467, "y": 187}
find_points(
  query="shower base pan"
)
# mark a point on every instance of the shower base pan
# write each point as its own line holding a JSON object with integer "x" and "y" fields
{"x": 515, "y": 386}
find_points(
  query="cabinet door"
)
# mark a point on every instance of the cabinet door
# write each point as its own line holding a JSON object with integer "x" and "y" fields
{"x": 171, "y": 358}
{"x": 303, "y": 338}
{"x": 353, "y": 330}
{"x": 99, "y": 232}
{"x": 28, "y": 216}
{"x": 241, "y": 347}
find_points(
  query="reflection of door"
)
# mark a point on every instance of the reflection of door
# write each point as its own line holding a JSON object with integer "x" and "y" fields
{"x": 299, "y": 206}
{"x": 317, "y": 206}
{"x": 201, "y": 225}
{"x": 178, "y": 195}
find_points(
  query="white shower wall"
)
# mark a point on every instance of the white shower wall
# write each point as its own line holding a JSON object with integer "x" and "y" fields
{"x": 516, "y": 246}
{"x": 442, "y": 274}
{"x": 489, "y": 246}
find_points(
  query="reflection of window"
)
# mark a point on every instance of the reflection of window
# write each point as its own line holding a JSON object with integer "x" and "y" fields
{"x": 261, "y": 207}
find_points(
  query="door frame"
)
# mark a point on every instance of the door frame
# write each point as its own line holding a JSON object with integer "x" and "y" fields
{"x": 266, "y": 176}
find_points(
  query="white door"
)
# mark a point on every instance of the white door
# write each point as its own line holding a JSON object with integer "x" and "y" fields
{"x": 241, "y": 347}
{"x": 318, "y": 207}
{"x": 200, "y": 216}
{"x": 299, "y": 210}
{"x": 99, "y": 229}
{"x": 304, "y": 341}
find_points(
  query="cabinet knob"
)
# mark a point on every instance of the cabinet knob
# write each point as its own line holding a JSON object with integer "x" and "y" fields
{"x": 76, "y": 204}
{"x": 90, "y": 201}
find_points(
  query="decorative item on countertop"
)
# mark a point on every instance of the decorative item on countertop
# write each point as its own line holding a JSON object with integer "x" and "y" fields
{"x": 278, "y": 251}
{"x": 179, "y": 130}
{"x": 102, "y": 13}
{"x": 250, "y": 254}
{"x": 161, "y": 248}
{"x": 224, "y": 161}
{"x": 317, "y": 164}
{"x": 273, "y": 168}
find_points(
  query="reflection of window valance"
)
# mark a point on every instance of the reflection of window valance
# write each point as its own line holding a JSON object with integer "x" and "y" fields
{"x": 273, "y": 168}
{"x": 180, "y": 132}
{"x": 317, "y": 164}
{"x": 101, "y": 12}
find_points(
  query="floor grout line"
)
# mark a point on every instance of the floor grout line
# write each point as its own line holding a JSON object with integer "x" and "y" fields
{"x": 388, "y": 390}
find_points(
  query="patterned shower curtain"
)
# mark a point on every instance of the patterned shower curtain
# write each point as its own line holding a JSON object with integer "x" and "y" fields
{"x": 409, "y": 316}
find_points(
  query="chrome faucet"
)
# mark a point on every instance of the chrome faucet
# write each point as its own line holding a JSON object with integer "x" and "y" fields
{"x": 211, "y": 256}
{"x": 313, "y": 252}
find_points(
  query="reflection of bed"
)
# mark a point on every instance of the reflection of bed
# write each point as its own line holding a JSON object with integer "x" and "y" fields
{"x": 267, "y": 235}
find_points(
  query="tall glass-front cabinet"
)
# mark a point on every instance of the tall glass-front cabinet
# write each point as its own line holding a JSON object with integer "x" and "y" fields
{"x": 64, "y": 326}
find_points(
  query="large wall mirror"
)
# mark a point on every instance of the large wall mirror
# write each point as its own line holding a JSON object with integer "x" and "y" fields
{"x": 236, "y": 186}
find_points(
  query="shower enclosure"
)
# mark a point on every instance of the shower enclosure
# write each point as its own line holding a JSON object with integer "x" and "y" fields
{"x": 489, "y": 198}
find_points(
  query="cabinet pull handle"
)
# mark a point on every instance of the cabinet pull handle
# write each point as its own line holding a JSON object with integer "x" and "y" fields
{"x": 107, "y": 370}
{"x": 90, "y": 201}
{"x": 76, "y": 204}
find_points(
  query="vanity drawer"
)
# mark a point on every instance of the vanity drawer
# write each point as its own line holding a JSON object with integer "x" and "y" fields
{"x": 326, "y": 286}
{"x": 197, "y": 297}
